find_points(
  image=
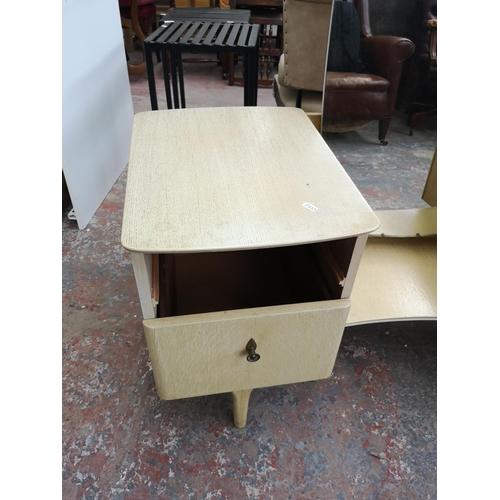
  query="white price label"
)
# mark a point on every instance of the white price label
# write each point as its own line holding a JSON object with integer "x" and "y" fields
{"x": 310, "y": 207}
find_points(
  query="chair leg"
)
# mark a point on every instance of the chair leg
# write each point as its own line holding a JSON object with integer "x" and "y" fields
{"x": 415, "y": 119}
{"x": 223, "y": 57}
{"x": 154, "y": 27}
{"x": 230, "y": 69}
{"x": 137, "y": 69}
{"x": 383, "y": 127}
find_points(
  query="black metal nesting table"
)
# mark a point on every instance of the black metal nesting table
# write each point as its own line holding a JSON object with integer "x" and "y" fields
{"x": 201, "y": 35}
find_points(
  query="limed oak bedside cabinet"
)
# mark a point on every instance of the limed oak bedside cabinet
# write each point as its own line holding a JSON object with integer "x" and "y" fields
{"x": 245, "y": 250}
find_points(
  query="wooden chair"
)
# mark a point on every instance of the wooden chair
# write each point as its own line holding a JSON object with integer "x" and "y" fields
{"x": 138, "y": 16}
{"x": 353, "y": 96}
{"x": 268, "y": 14}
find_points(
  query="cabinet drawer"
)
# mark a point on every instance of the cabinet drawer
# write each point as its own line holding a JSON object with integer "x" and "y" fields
{"x": 203, "y": 354}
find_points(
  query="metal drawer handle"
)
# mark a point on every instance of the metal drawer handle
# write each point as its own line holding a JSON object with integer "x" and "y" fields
{"x": 250, "y": 348}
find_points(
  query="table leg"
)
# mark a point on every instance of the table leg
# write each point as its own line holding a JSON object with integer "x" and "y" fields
{"x": 230, "y": 69}
{"x": 175, "y": 89}
{"x": 240, "y": 407}
{"x": 166, "y": 77}
{"x": 254, "y": 61}
{"x": 246, "y": 79}
{"x": 178, "y": 56}
{"x": 251, "y": 78}
{"x": 151, "y": 77}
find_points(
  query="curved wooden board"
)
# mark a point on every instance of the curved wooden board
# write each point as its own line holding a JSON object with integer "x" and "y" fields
{"x": 396, "y": 280}
{"x": 407, "y": 223}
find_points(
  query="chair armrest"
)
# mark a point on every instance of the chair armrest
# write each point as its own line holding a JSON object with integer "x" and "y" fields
{"x": 385, "y": 56}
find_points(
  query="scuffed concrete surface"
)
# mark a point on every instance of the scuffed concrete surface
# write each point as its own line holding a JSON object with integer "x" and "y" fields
{"x": 389, "y": 177}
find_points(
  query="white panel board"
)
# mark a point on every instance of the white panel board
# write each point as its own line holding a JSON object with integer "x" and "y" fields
{"x": 97, "y": 110}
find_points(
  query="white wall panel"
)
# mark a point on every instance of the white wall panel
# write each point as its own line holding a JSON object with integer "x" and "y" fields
{"x": 97, "y": 110}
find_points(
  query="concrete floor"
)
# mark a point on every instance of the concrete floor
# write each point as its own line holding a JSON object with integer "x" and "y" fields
{"x": 367, "y": 432}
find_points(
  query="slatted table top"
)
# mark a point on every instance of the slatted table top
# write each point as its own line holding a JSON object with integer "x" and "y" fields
{"x": 198, "y": 34}
{"x": 215, "y": 179}
{"x": 207, "y": 14}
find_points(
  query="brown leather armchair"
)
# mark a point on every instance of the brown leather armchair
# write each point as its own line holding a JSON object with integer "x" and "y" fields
{"x": 351, "y": 100}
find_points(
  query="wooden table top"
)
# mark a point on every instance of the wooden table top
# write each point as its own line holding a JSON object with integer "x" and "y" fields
{"x": 207, "y": 14}
{"x": 217, "y": 179}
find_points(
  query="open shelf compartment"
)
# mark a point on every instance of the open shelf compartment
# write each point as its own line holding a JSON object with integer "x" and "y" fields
{"x": 221, "y": 281}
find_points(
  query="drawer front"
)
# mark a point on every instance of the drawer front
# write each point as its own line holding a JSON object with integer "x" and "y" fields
{"x": 205, "y": 353}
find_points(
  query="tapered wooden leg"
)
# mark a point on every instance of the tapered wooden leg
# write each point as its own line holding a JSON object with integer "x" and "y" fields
{"x": 240, "y": 407}
{"x": 383, "y": 127}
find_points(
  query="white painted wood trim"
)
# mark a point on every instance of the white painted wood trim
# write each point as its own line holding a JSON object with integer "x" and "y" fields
{"x": 353, "y": 266}
{"x": 143, "y": 271}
